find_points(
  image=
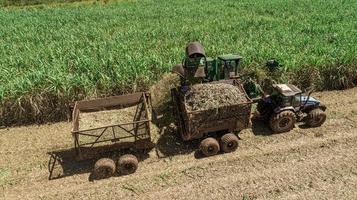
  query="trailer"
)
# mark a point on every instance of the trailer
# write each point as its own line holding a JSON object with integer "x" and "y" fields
{"x": 121, "y": 122}
{"x": 217, "y": 128}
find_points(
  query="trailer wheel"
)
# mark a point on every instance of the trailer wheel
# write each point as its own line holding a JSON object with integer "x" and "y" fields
{"x": 229, "y": 142}
{"x": 104, "y": 168}
{"x": 209, "y": 146}
{"x": 315, "y": 118}
{"x": 282, "y": 122}
{"x": 127, "y": 164}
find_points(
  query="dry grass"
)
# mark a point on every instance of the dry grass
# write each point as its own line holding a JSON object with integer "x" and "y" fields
{"x": 160, "y": 91}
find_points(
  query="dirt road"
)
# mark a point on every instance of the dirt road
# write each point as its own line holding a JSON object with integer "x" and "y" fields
{"x": 316, "y": 163}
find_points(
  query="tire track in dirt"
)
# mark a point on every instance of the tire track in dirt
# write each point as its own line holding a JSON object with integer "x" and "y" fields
{"x": 290, "y": 171}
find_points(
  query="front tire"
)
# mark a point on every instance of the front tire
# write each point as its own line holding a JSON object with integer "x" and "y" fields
{"x": 209, "y": 146}
{"x": 316, "y": 118}
{"x": 282, "y": 122}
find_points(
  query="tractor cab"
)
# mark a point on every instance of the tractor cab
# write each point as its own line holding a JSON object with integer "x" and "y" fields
{"x": 286, "y": 95}
{"x": 223, "y": 68}
{"x": 228, "y": 66}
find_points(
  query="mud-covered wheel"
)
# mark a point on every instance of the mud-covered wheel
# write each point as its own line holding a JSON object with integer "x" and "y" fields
{"x": 282, "y": 122}
{"x": 229, "y": 142}
{"x": 127, "y": 164}
{"x": 315, "y": 118}
{"x": 104, "y": 168}
{"x": 209, "y": 146}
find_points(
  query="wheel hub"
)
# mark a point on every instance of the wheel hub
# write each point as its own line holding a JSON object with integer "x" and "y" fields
{"x": 284, "y": 122}
{"x": 128, "y": 166}
{"x": 210, "y": 149}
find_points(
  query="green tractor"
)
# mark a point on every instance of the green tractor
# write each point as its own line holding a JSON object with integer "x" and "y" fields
{"x": 287, "y": 105}
{"x": 197, "y": 68}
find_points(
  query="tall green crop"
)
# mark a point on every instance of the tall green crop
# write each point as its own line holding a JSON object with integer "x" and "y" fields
{"x": 66, "y": 53}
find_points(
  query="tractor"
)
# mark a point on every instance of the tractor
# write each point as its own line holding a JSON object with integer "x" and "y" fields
{"x": 197, "y": 68}
{"x": 286, "y": 105}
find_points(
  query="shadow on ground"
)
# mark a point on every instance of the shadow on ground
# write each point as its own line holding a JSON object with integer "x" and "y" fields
{"x": 170, "y": 142}
{"x": 64, "y": 163}
{"x": 260, "y": 127}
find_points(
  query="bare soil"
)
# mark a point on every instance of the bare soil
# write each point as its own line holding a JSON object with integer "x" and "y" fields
{"x": 305, "y": 163}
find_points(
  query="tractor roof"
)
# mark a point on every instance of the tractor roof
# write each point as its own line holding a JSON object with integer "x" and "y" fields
{"x": 230, "y": 57}
{"x": 287, "y": 89}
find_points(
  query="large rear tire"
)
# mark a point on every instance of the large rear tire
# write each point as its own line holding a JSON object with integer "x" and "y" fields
{"x": 127, "y": 164}
{"x": 315, "y": 117}
{"x": 229, "y": 142}
{"x": 209, "y": 146}
{"x": 104, "y": 168}
{"x": 282, "y": 122}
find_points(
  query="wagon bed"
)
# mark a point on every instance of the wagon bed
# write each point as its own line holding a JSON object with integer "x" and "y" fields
{"x": 120, "y": 121}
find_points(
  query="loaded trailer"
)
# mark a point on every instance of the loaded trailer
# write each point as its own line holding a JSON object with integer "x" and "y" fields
{"x": 216, "y": 127}
{"x": 122, "y": 122}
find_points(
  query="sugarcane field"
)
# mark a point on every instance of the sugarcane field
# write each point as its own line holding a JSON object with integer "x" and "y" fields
{"x": 178, "y": 99}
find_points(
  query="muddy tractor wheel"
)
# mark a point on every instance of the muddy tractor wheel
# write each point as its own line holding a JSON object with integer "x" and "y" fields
{"x": 209, "y": 146}
{"x": 315, "y": 118}
{"x": 104, "y": 168}
{"x": 229, "y": 142}
{"x": 282, "y": 122}
{"x": 127, "y": 164}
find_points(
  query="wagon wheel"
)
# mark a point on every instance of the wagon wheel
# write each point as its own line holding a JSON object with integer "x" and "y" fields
{"x": 229, "y": 142}
{"x": 127, "y": 164}
{"x": 209, "y": 146}
{"x": 282, "y": 122}
{"x": 315, "y": 118}
{"x": 104, "y": 168}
